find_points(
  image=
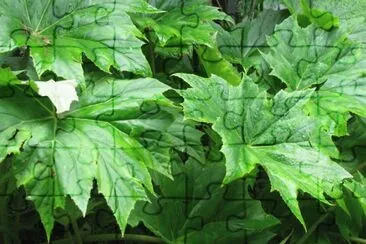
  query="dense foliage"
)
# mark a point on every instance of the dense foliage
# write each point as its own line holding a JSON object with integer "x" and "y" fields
{"x": 183, "y": 121}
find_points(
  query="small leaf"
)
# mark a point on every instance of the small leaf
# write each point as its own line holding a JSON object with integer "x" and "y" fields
{"x": 64, "y": 155}
{"x": 182, "y": 25}
{"x": 242, "y": 41}
{"x": 213, "y": 63}
{"x": 195, "y": 193}
{"x": 11, "y": 141}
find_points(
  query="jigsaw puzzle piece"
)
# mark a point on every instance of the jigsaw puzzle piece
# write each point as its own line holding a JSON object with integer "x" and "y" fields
{"x": 200, "y": 209}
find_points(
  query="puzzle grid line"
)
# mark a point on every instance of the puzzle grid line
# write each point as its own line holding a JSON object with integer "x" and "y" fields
{"x": 186, "y": 199}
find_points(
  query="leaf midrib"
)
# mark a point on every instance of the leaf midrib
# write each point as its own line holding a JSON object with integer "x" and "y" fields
{"x": 43, "y": 14}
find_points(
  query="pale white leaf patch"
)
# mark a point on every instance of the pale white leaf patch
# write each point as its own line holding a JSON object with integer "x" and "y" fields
{"x": 61, "y": 93}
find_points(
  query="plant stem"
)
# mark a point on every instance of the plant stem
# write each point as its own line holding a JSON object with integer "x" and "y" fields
{"x": 130, "y": 237}
{"x": 314, "y": 226}
{"x": 357, "y": 239}
{"x": 219, "y": 5}
{"x": 114, "y": 237}
{"x": 287, "y": 237}
{"x": 75, "y": 226}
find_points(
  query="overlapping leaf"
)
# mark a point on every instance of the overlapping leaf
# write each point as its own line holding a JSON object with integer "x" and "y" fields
{"x": 183, "y": 24}
{"x": 275, "y": 134}
{"x": 62, "y": 156}
{"x": 214, "y": 63}
{"x": 351, "y": 213}
{"x": 338, "y": 96}
{"x": 353, "y": 146}
{"x": 194, "y": 208}
{"x": 124, "y": 139}
{"x": 246, "y": 37}
{"x": 305, "y": 57}
{"x": 59, "y": 32}
{"x": 302, "y": 57}
{"x": 308, "y": 9}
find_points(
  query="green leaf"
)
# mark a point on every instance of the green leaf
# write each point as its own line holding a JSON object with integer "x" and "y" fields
{"x": 7, "y": 77}
{"x": 333, "y": 122}
{"x": 303, "y": 57}
{"x": 214, "y": 63}
{"x": 274, "y": 133}
{"x": 320, "y": 17}
{"x": 348, "y": 15}
{"x": 351, "y": 213}
{"x": 338, "y": 96}
{"x": 182, "y": 25}
{"x": 65, "y": 154}
{"x": 12, "y": 141}
{"x": 242, "y": 41}
{"x": 349, "y": 94}
{"x": 161, "y": 130}
{"x": 352, "y": 146}
{"x": 69, "y": 214}
{"x": 59, "y": 32}
{"x": 198, "y": 209}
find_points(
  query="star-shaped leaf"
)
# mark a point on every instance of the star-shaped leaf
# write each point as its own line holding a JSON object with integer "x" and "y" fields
{"x": 59, "y": 32}
{"x": 274, "y": 133}
{"x": 62, "y": 156}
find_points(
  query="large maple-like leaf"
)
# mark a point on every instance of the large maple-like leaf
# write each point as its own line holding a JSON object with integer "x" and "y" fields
{"x": 182, "y": 25}
{"x": 305, "y": 57}
{"x": 275, "y": 134}
{"x": 194, "y": 208}
{"x": 62, "y": 156}
{"x": 59, "y": 32}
